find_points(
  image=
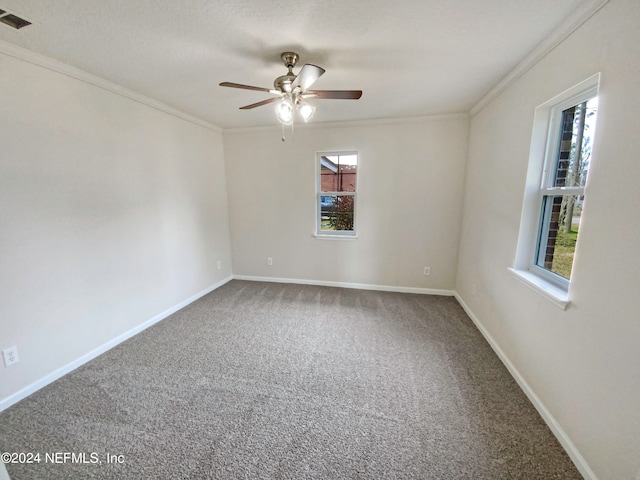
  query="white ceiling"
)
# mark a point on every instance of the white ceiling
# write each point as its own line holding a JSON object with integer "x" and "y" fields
{"x": 410, "y": 57}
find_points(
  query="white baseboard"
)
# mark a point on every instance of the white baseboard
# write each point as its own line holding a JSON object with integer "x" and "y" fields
{"x": 359, "y": 286}
{"x": 53, "y": 376}
{"x": 555, "y": 427}
{"x": 573, "y": 452}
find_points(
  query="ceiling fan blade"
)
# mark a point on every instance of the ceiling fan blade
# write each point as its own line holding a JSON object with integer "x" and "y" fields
{"x": 335, "y": 94}
{"x": 246, "y": 87}
{"x": 259, "y": 104}
{"x": 307, "y": 76}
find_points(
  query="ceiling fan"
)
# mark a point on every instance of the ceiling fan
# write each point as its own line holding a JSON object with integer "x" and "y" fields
{"x": 292, "y": 90}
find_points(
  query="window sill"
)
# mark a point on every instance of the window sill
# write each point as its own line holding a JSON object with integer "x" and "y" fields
{"x": 555, "y": 295}
{"x": 320, "y": 236}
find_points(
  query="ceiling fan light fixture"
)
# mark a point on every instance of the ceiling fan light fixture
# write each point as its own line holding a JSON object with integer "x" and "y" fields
{"x": 284, "y": 111}
{"x": 292, "y": 90}
{"x": 306, "y": 111}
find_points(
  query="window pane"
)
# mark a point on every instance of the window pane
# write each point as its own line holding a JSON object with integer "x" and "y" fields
{"x": 576, "y": 137}
{"x": 336, "y": 212}
{"x": 559, "y": 233}
{"x": 338, "y": 173}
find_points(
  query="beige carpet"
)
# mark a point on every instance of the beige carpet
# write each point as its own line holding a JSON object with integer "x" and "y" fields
{"x": 276, "y": 381}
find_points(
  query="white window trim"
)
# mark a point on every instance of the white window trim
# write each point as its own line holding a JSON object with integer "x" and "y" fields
{"x": 339, "y": 234}
{"x": 543, "y": 147}
{"x": 548, "y": 290}
{"x": 322, "y": 236}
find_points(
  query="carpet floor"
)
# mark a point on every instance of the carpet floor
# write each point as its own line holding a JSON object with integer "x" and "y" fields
{"x": 278, "y": 381}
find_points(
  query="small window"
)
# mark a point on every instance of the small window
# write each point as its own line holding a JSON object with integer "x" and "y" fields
{"x": 554, "y": 202}
{"x": 336, "y": 193}
{"x": 562, "y": 190}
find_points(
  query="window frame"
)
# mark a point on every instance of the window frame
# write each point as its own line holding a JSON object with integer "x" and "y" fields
{"x": 335, "y": 234}
{"x": 547, "y": 189}
{"x": 543, "y": 161}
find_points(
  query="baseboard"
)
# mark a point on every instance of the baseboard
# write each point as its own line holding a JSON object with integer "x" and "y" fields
{"x": 573, "y": 452}
{"x": 359, "y": 286}
{"x": 53, "y": 376}
{"x": 555, "y": 427}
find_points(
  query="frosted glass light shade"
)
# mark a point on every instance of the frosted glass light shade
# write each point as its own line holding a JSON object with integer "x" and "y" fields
{"x": 284, "y": 111}
{"x": 306, "y": 111}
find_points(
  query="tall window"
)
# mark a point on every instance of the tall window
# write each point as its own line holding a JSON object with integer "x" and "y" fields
{"x": 562, "y": 191}
{"x": 336, "y": 193}
{"x": 554, "y": 200}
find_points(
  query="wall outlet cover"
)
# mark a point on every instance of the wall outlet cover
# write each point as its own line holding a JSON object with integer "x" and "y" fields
{"x": 10, "y": 356}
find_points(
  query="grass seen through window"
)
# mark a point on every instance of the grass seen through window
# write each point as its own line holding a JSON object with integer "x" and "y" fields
{"x": 564, "y": 251}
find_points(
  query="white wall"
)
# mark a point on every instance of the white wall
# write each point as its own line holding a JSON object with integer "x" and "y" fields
{"x": 111, "y": 212}
{"x": 410, "y": 180}
{"x": 583, "y": 363}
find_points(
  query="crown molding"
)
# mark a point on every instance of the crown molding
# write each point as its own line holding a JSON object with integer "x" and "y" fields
{"x": 586, "y": 10}
{"x": 351, "y": 123}
{"x": 73, "y": 72}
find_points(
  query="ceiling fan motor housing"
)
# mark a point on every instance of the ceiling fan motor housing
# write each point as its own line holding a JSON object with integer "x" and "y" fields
{"x": 289, "y": 59}
{"x": 283, "y": 83}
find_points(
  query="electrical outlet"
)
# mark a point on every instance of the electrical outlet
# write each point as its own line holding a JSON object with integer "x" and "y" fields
{"x": 219, "y": 264}
{"x": 269, "y": 261}
{"x": 10, "y": 356}
{"x": 426, "y": 271}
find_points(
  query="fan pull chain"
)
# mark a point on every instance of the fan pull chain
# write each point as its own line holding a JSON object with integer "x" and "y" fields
{"x": 283, "y": 137}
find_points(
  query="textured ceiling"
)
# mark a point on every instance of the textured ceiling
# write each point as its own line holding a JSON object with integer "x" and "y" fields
{"x": 411, "y": 58}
